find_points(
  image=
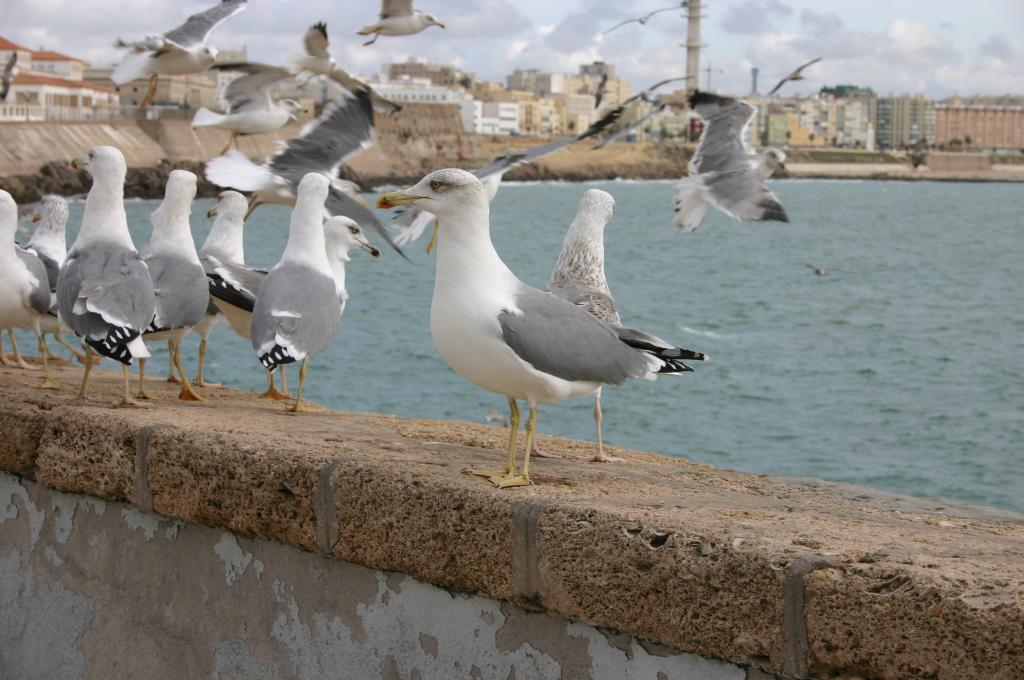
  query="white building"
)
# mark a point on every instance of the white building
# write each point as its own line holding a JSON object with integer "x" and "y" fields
{"x": 421, "y": 91}
{"x": 496, "y": 118}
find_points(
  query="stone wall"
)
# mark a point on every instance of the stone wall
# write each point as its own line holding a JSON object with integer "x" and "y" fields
{"x": 793, "y": 578}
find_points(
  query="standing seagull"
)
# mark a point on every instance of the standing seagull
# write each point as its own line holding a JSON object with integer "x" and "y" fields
{"x": 251, "y": 108}
{"x": 224, "y": 242}
{"x": 343, "y": 129}
{"x": 397, "y": 17}
{"x": 723, "y": 172}
{"x": 104, "y": 292}
{"x": 178, "y": 52}
{"x": 179, "y": 281}
{"x": 297, "y": 310}
{"x": 798, "y": 74}
{"x": 507, "y": 337}
{"x": 24, "y": 288}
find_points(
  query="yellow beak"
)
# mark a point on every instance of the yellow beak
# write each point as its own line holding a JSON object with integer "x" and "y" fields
{"x": 394, "y": 199}
{"x": 36, "y": 218}
{"x": 77, "y": 164}
{"x": 211, "y": 213}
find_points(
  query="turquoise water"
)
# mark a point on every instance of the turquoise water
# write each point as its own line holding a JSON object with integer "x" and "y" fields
{"x": 901, "y": 369}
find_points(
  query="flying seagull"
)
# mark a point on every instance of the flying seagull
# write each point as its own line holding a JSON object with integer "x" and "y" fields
{"x": 179, "y": 281}
{"x": 180, "y": 51}
{"x": 642, "y": 20}
{"x": 24, "y": 287}
{"x": 723, "y": 172}
{"x": 318, "y": 61}
{"x": 8, "y": 74}
{"x": 234, "y": 287}
{"x": 397, "y": 17}
{"x": 798, "y": 74}
{"x": 104, "y": 292}
{"x": 509, "y": 338}
{"x": 343, "y": 129}
{"x": 251, "y": 110}
{"x": 578, "y": 277}
{"x": 226, "y": 243}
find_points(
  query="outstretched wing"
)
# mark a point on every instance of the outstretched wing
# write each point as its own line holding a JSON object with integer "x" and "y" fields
{"x": 198, "y": 26}
{"x": 795, "y": 75}
{"x": 252, "y": 89}
{"x": 721, "y": 145}
{"x": 395, "y": 8}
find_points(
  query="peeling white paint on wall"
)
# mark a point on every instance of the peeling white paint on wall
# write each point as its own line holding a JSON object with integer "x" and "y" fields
{"x": 136, "y": 519}
{"x": 11, "y": 487}
{"x": 235, "y": 561}
{"x": 65, "y": 506}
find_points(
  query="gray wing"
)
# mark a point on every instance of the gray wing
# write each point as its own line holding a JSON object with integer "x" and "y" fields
{"x": 105, "y": 286}
{"x": 297, "y": 310}
{"x": 743, "y": 195}
{"x": 341, "y": 203}
{"x": 344, "y": 128}
{"x": 315, "y": 41}
{"x": 251, "y": 90}
{"x": 195, "y": 29}
{"x": 7, "y": 75}
{"x": 350, "y": 86}
{"x": 621, "y": 24}
{"x": 51, "y": 265}
{"x": 721, "y": 145}
{"x": 595, "y": 302}
{"x": 39, "y": 298}
{"x": 559, "y": 338}
{"x": 395, "y": 8}
{"x": 795, "y": 75}
{"x": 629, "y": 128}
{"x": 182, "y": 292}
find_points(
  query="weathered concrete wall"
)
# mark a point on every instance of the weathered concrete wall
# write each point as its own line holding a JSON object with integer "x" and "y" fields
{"x": 800, "y": 578}
{"x": 90, "y": 589}
{"x": 26, "y": 147}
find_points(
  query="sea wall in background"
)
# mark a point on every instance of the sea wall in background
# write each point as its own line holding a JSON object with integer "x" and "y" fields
{"x": 409, "y": 144}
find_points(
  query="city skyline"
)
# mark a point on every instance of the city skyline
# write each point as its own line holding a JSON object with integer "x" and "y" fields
{"x": 893, "y": 47}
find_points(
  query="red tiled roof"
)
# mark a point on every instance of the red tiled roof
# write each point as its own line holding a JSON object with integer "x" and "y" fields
{"x": 34, "y": 79}
{"x": 48, "y": 55}
{"x": 6, "y": 44}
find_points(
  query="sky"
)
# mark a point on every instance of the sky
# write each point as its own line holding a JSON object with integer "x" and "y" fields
{"x": 937, "y": 47}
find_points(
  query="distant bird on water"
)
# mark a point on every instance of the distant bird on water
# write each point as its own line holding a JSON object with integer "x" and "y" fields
{"x": 180, "y": 51}
{"x": 504, "y": 336}
{"x": 397, "y": 17}
{"x": 819, "y": 271}
{"x": 797, "y": 74}
{"x": 251, "y": 108}
{"x": 723, "y": 172}
{"x": 104, "y": 292}
{"x": 642, "y": 20}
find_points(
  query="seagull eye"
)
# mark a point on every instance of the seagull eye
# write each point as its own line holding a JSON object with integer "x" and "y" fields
{"x": 354, "y": 230}
{"x": 435, "y": 185}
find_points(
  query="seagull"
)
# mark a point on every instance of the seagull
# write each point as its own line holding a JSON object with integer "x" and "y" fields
{"x": 602, "y": 88}
{"x": 820, "y": 271}
{"x": 104, "y": 292}
{"x": 24, "y": 288}
{"x": 7, "y": 75}
{"x": 179, "y": 281}
{"x": 510, "y": 338}
{"x": 723, "y": 172}
{"x": 49, "y": 244}
{"x": 643, "y": 95}
{"x": 647, "y": 17}
{"x": 251, "y": 108}
{"x": 318, "y": 61}
{"x": 578, "y": 277}
{"x": 298, "y": 307}
{"x": 234, "y": 287}
{"x": 397, "y": 17}
{"x": 344, "y": 128}
{"x": 226, "y": 243}
{"x": 178, "y": 52}
{"x": 798, "y": 74}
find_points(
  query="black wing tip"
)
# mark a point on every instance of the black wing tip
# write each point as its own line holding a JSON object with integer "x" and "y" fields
{"x": 700, "y": 97}
{"x": 773, "y": 212}
{"x": 321, "y": 27}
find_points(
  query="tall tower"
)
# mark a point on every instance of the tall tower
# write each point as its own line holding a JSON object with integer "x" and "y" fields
{"x": 753, "y": 79}
{"x": 693, "y": 45}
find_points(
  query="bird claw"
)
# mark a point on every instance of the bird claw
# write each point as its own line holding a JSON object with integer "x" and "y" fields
{"x": 276, "y": 395}
{"x": 510, "y": 481}
{"x": 491, "y": 473}
{"x": 131, "y": 403}
{"x": 604, "y": 458}
{"x": 49, "y": 384}
{"x": 188, "y": 395}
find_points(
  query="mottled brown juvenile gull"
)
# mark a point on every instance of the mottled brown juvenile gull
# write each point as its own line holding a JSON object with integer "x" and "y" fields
{"x": 104, "y": 292}
{"x": 505, "y": 336}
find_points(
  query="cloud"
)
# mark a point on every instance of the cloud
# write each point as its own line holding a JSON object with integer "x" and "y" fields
{"x": 997, "y": 47}
{"x": 754, "y": 17}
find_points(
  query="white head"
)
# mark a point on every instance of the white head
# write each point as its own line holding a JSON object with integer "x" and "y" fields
{"x": 343, "y": 235}
{"x": 775, "y": 158}
{"x": 52, "y": 215}
{"x": 444, "y": 193}
{"x": 106, "y": 165}
{"x": 225, "y": 238}
{"x": 209, "y": 53}
{"x": 8, "y": 219}
{"x": 178, "y": 196}
{"x": 595, "y": 208}
{"x": 432, "y": 20}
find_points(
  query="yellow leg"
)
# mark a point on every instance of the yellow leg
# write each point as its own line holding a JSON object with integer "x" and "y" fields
{"x": 48, "y": 382}
{"x": 372, "y": 40}
{"x": 284, "y": 380}
{"x": 85, "y": 375}
{"x": 200, "y": 380}
{"x": 74, "y": 352}
{"x": 142, "y": 381}
{"x": 4, "y": 361}
{"x": 149, "y": 93}
{"x": 601, "y": 456}
{"x": 513, "y": 435}
{"x": 187, "y": 393}
{"x": 18, "y": 359}
{"x": 272, "y": 392}
{"x": 253, "y": 204}
{"x": 126, "y": 398}
{"x": 298, "y": 407}
{"x": 171, "y": 378}
{"x": 512, "y": 479}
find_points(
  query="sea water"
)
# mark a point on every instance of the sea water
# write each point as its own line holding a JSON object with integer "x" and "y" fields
{"x": 902, "y": 368}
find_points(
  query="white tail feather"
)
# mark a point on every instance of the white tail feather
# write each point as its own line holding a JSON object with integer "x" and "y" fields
{"x": 205, "y": 118}
{"x": 138, "y": 349}
{"x": 238, "y": 172}
{"x": 134, "y": 66}
{"x": 691, "y": 205}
